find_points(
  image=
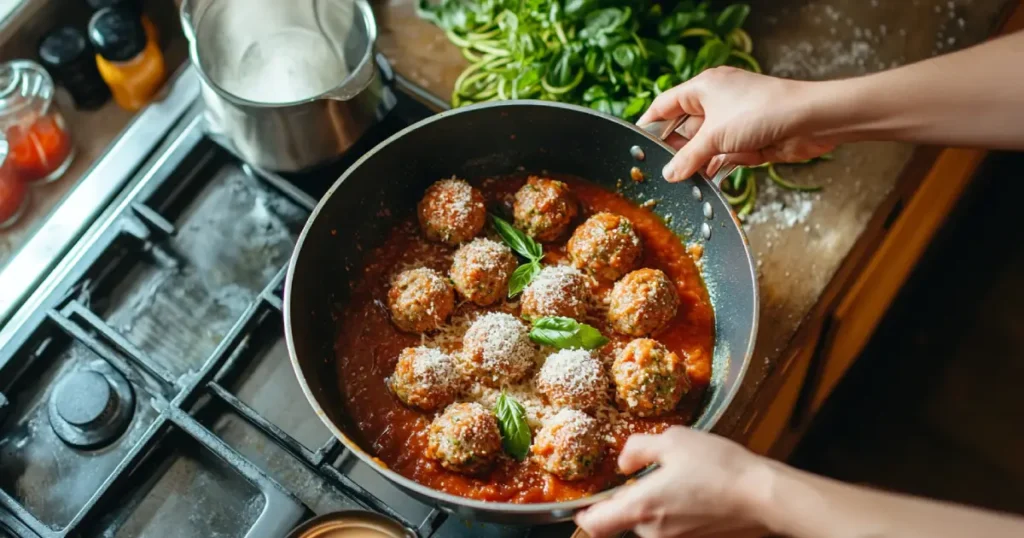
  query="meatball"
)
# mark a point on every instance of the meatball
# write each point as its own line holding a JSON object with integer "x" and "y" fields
{"x": 425, "y": 378}
{"x": 452, "y": 212}
{"x": 464, "y": 439}
{"x": 558, "y": 290}
{"x": 481, "y": 270}
{"x": 497, "y": 349}
{"x": 420, "y": 300}
{"x": 544, "y": 208}
{"x": 649, "y": 379}
{"x": 642, "y": 303}
{"x": 569, "y": 445}
{"x": 573, "y": 378}
{"x": 606, "y": 246}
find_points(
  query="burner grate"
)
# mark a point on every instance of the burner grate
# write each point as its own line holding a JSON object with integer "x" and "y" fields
{"x": 181, "y": 295}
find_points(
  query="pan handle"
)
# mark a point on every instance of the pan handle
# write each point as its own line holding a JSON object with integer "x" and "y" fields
{"x": 662, "y": 129}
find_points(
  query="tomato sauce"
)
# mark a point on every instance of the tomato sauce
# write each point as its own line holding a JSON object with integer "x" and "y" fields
{"x": 368, "y": 345}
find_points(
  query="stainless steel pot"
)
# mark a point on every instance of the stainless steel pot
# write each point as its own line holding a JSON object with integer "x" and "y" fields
{"x": 290, "y": 84}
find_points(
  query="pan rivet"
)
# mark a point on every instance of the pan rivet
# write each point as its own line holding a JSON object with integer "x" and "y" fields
{"x": 705, "y": 230}
{"x": 697, "y": 195}
{"x": 637, "y": 152}
{"x": 709, "y": 212}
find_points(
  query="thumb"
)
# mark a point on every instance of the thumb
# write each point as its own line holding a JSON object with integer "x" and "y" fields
{"x": 692, "y": 157}
{"x": 631, "y": 507}
{"x": 641, "y": 450}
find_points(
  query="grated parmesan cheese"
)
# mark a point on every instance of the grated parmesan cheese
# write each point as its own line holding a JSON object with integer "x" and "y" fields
{"x": 573, "y": 378}
{"x": 498, "y": 348}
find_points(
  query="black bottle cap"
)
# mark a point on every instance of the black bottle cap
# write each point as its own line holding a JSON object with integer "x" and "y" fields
{"x": 63, "y": 46}
{"x": 134, "y": 5}
{"x": 117, "y": 34}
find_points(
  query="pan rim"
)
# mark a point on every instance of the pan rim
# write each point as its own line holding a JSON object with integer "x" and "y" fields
{"x": 566, "y": 508}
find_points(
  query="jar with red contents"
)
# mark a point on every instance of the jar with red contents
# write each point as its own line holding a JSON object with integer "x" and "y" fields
{"x": 13, "y": 191}
{"x": 39, "y": 144}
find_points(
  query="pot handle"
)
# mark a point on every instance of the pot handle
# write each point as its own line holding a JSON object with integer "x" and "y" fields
{"x": 662, "y": 130}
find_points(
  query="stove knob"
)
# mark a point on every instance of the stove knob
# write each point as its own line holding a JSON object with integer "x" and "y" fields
{"x": 90, "y": 409}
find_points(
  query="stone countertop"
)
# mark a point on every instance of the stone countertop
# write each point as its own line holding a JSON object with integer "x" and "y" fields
{"x": 799, "y": 239}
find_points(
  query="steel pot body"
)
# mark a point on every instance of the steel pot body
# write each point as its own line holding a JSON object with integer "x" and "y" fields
{"x": 492, "y": 140}
{"x": 288, "y": 85}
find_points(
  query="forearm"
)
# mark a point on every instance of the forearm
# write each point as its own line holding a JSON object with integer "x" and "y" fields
{"x": 801, "y": 505}
{"x": 974, "y": 97}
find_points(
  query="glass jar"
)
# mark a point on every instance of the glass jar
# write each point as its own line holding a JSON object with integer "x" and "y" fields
{"x": 40, "y": 146}
{"x": 13, "y": 191}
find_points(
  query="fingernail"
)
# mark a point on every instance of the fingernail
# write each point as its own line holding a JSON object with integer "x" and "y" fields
{"x": 669, "y": 172}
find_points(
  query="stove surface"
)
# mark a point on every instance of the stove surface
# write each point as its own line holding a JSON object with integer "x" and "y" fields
{"x": 151, "y": 392}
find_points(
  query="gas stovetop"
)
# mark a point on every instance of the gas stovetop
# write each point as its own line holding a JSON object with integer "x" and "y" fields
{"x": 149, "y": 393}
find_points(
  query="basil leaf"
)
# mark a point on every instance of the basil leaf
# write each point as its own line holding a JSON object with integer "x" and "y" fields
{"x": 521, "y": 277}
{"x": 634, "y": 108}
{"x": 676, "y": 57}
{"x": 713, "y": 54}
{"x": 732, "y": 18}
{"x": 517, "y": 240}
{"x": 566, "y": 333}
{"x": 515, "y": 431}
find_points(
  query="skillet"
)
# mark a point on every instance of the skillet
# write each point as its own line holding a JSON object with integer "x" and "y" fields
{"x": 496, "y": 139}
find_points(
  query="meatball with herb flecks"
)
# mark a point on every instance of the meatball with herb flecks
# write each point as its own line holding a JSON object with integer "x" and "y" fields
{"x": 544, "y": 208}
{"x": 420, "y": 300}
{"x": 481, "y": 269}
{"x": 642, "y": 302}
{"x": 452, "y": 212}
{"x": 425, "y": 378}
{"x": 649, "y": 379}
{"x": 573, "y": 378}
{"x": 569, "y": 445}
{"x": 497, "y": 349}
{"x": 558, "y": 290}
{"x": 605, "y": 246}
{"x": 464, "y": 439}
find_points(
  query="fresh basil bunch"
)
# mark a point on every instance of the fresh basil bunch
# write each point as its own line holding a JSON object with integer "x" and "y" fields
{"x": 613, "y": 56}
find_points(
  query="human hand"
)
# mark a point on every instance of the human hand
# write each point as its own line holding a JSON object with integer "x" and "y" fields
{"x": 702, "y": 488}
{"x": 737, "y": 117}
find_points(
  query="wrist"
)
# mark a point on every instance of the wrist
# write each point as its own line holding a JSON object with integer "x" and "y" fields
{"x": 753, "y": 493}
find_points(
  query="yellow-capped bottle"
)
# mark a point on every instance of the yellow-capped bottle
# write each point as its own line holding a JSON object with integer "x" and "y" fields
{"x": 127, "y": 56}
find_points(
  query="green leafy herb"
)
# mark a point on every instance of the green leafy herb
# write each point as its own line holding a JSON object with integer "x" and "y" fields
{"x": 526, "y": 247}
{"x": 566, "y": 333}
{"x": 521, "y": 277}
{"x": 515, "y": 431}
{"x": 518, "y": 241}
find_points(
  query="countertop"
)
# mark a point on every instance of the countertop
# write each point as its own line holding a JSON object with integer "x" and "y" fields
{"x": 799, "y": 240}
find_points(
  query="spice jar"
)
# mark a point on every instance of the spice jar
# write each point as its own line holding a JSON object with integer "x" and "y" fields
{"x": 39, "y": 145}
{"x": 135, "y": 6}
{"x": 67, "y": 55}
{"x": 13, "y": 191}
{"x": 127, "y": 59}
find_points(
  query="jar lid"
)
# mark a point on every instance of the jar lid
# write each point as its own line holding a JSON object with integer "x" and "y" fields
{"x": 117, "y": 34}
{"x": 63, "y": 46}
{"x": 129, "y": 4}
{"x": 22, "y": 83}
